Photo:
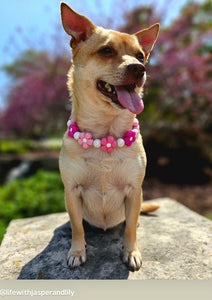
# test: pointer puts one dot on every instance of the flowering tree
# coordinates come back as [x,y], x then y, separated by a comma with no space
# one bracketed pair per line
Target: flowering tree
[178,94]
[37,102]
[185,64]
[181,98]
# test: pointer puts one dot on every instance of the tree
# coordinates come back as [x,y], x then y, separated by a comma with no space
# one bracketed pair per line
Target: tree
[182,80]
[177,121]
[38,98]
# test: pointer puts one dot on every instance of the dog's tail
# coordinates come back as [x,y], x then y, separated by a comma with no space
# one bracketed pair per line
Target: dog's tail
[148,207]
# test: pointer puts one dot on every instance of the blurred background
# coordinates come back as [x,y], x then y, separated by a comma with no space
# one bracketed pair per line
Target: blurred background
[176,123]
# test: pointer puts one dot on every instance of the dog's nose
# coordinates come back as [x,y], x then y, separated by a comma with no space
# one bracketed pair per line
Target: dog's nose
[137,70]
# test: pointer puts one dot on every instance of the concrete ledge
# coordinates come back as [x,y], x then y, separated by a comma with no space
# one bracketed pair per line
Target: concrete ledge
[175,243]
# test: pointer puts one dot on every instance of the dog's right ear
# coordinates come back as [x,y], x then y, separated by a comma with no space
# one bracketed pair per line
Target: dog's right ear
[78,26]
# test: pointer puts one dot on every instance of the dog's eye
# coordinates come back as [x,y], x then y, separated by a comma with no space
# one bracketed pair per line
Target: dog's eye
[140,56]
[106,51]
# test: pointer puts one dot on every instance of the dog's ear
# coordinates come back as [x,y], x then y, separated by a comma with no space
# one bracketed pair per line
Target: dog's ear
[148,37]
[78,26]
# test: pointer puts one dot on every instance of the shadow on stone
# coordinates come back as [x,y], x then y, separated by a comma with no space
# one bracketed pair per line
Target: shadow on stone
[104,256]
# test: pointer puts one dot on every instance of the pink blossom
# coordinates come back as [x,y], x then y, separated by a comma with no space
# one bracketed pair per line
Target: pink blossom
[85,139]
[108,144]
[129,138]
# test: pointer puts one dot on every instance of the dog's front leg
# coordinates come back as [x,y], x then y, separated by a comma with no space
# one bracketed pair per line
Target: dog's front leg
[74,206]
[132,256]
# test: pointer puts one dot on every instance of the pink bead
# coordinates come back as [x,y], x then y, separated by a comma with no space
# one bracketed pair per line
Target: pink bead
[104,141]
[72,129]
[110,139]
[135,123]
[114,144]
[82,135]
[85,139]
[85,146]
[90,142]
[130,137]
[88,135]
[108,144]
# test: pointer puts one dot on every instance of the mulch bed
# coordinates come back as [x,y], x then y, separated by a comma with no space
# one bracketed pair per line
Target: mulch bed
[195,197]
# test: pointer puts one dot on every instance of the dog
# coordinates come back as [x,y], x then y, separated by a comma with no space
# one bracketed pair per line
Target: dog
[102,160]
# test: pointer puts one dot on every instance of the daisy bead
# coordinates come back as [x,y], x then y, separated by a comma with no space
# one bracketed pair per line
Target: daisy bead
[97,143]
[120,142]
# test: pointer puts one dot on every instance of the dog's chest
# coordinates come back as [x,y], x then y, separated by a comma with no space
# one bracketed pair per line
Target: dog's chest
[105,186]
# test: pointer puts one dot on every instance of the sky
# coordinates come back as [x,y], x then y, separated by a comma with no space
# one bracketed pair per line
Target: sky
[31,22]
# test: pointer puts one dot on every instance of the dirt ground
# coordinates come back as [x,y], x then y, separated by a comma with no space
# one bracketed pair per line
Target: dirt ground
[195,197]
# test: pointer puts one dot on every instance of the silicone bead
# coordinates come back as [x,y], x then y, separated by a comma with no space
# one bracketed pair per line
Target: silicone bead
[97,143]
[76,135]
[69,123]
[120,142]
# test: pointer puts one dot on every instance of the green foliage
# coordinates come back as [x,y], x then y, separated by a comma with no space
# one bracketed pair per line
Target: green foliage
[15,146]
[26,145]
[38,195]
[20,67]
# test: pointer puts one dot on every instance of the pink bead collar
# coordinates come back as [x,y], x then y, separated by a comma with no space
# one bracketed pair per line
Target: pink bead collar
[108,144]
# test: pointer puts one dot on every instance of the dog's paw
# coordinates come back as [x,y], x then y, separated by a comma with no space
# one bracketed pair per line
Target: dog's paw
[76,258]
[133,259]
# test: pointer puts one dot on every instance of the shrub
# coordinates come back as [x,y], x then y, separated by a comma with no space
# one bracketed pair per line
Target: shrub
[38,195]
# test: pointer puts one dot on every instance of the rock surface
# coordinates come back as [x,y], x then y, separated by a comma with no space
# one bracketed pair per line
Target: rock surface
[175,243]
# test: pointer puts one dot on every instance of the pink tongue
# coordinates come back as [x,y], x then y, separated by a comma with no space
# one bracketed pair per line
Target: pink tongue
[130,100]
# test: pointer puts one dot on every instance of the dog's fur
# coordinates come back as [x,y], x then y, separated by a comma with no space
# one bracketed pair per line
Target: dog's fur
[103,188]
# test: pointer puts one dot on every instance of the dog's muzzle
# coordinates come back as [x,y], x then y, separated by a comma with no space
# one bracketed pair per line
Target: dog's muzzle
[124,95]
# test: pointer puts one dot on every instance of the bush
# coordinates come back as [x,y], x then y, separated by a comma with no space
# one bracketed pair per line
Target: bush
[38,195]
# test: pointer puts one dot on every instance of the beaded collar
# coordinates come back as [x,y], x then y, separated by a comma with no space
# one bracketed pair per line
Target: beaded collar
[108,144]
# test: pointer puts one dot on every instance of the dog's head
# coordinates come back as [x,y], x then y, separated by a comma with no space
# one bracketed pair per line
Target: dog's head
[109,66]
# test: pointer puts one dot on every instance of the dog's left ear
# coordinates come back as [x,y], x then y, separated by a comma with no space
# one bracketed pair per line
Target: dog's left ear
[147,38]
[76,25]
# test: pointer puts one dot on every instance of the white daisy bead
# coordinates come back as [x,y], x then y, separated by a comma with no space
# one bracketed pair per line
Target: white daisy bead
[76,135]
[97,143]
[120,142]
[69,123]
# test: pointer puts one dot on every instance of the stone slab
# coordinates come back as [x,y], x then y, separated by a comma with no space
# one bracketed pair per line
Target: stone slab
[175,243]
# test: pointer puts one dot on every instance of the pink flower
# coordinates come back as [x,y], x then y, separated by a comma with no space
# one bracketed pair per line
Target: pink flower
[129,138]
[72,129]
[108,144]
[85,139]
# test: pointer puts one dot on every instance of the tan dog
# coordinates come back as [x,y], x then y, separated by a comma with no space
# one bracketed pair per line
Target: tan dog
[105,79]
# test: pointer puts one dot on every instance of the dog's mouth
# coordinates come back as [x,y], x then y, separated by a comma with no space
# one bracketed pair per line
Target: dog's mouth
[123,96]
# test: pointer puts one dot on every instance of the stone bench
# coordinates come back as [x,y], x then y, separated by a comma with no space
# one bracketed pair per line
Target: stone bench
[175,243]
